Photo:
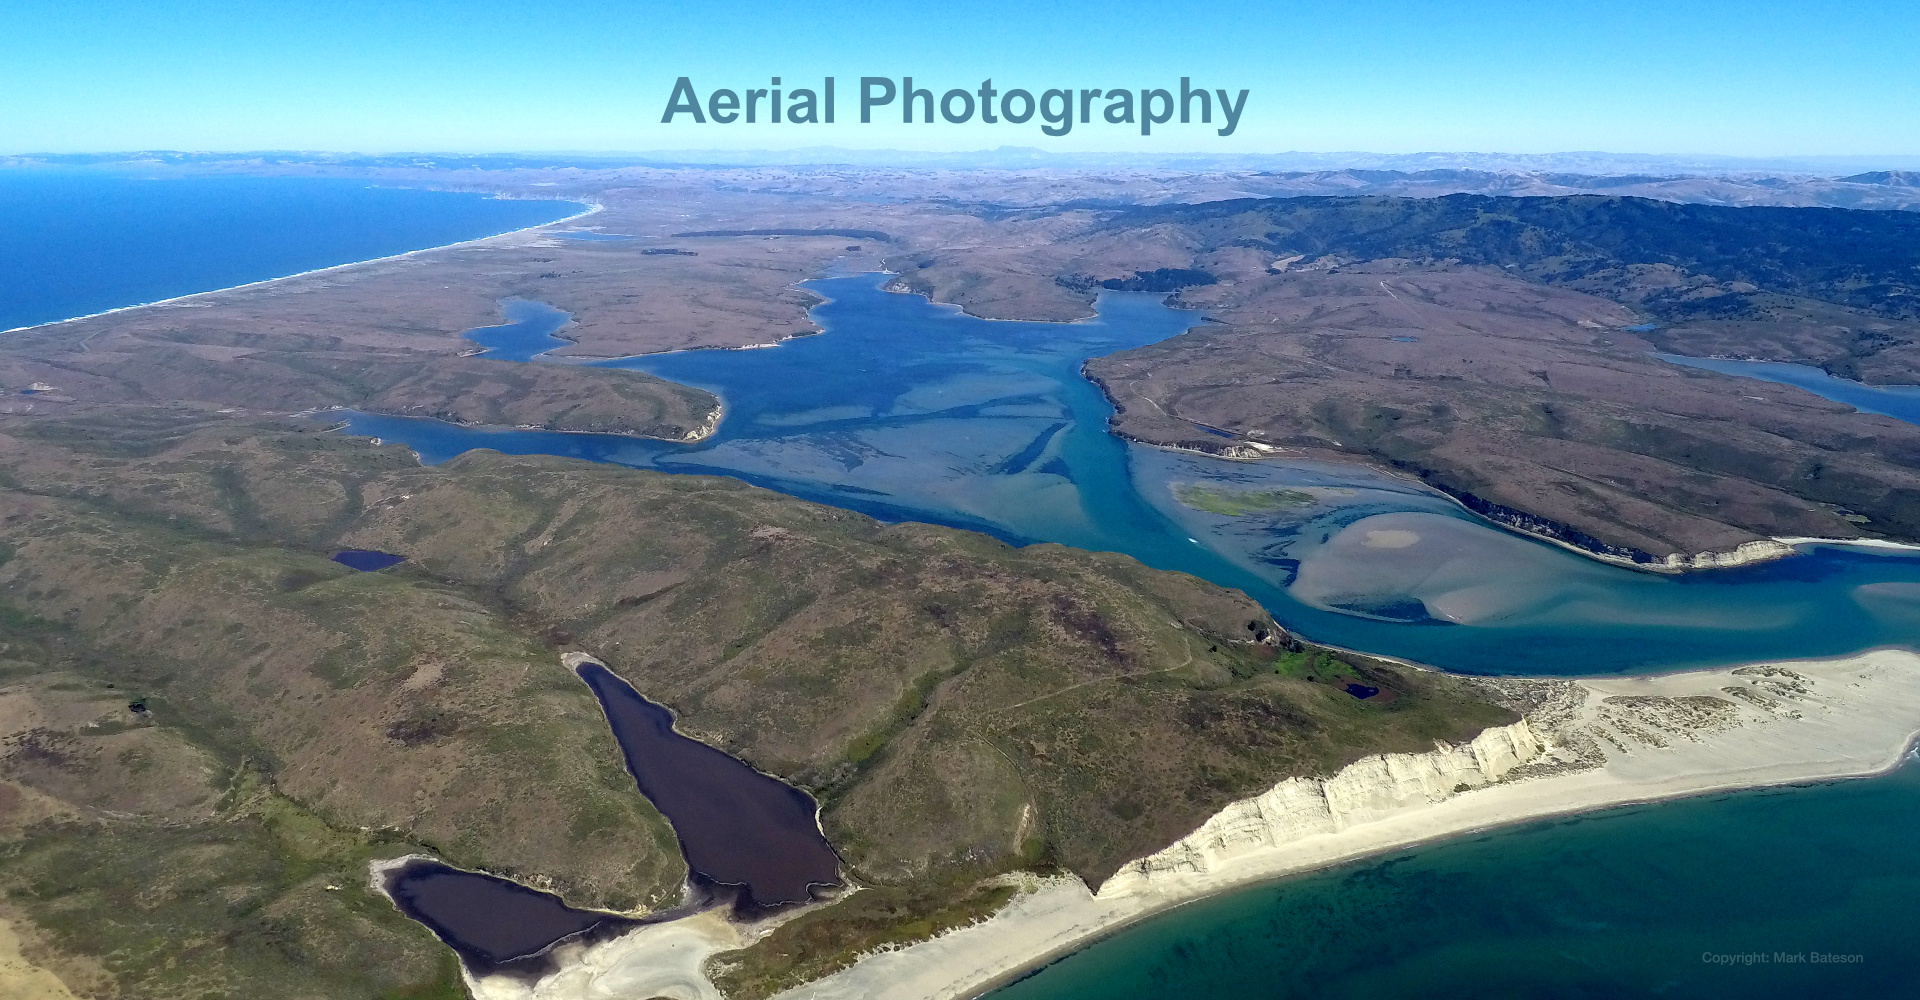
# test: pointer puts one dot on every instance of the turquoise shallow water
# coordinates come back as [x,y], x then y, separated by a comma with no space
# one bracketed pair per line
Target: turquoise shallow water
[1735,895]
[910,411]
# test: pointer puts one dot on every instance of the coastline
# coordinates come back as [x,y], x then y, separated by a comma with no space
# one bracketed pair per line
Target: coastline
[1748,553]
[591,208]
[1061,916]
[706,429]
[1606,742]
[1582,745]
[1859,543]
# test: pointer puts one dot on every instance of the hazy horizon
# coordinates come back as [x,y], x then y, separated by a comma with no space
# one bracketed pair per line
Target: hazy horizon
[1593,162]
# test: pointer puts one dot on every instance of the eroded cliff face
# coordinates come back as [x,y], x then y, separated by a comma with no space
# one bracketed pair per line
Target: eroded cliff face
[708,425]
[1746,553]
[1367,790]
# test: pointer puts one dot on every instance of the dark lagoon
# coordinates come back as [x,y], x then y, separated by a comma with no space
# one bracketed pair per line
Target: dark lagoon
[742,832]
[367,560]
[493,924]
[906,410]
[750,841]
[80,241]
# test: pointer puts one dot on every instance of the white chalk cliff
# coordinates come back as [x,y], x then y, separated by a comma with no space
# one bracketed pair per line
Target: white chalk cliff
[1365,791]
[1588,743]
[1745,554]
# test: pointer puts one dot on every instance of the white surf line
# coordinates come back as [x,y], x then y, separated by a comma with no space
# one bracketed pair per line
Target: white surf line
[591,209]
[1856,543]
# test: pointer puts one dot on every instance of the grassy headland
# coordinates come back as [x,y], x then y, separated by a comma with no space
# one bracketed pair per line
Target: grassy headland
[961,708]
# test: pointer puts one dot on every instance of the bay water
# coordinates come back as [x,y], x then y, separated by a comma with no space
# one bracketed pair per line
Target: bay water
[910,411]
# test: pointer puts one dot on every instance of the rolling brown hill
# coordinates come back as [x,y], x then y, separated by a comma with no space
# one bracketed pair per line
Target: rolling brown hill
[959,707]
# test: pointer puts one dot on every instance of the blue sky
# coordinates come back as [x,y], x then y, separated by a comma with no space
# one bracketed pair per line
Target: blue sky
[1748,79]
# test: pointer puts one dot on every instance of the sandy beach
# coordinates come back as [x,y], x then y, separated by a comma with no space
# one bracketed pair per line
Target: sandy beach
[1597,743]
[658,960]
[196,298]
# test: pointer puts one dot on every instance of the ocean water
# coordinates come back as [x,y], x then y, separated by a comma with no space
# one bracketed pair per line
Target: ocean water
[906,410]
[1739,895]
[75,242]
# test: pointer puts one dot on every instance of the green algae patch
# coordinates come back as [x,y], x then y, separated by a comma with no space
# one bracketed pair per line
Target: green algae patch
[1231,502]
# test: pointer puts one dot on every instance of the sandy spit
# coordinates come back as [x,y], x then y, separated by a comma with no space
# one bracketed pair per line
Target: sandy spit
[589,208]
[665,960]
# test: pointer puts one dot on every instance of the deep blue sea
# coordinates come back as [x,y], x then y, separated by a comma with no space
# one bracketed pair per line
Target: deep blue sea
[76,242]
[906,410]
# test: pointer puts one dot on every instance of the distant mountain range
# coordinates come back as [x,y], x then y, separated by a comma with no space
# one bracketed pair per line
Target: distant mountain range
[1895,178]
[1883,189]
[1862,168]
[1864,182]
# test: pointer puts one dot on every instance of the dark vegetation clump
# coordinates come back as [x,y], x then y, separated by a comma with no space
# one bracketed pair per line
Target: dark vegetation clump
[1165,279]
[1534,524]
[1086,625]
[818,943]
[852,234]
[423,728]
